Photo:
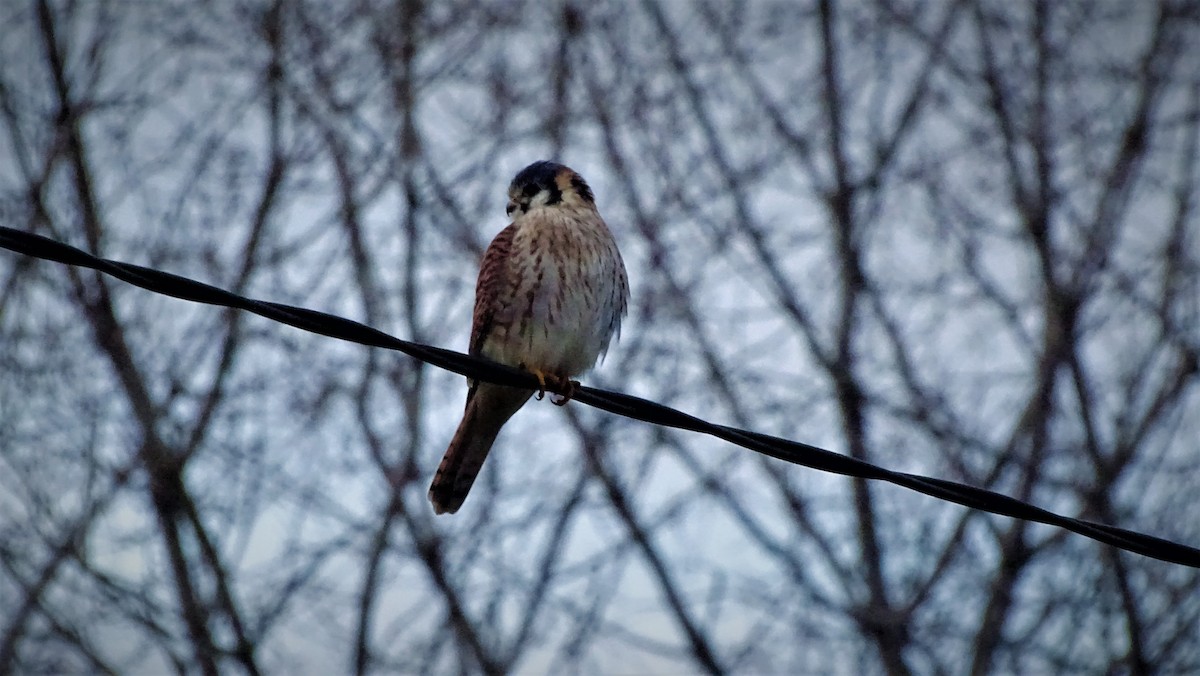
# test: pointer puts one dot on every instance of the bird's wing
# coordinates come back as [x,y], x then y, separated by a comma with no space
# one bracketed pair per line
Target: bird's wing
[493,280]
[493,277]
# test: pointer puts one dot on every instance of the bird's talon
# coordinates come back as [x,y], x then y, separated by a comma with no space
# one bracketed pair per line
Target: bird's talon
[541,378]
[570,387]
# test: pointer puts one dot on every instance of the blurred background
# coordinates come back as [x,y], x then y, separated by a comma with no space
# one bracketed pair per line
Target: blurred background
[955,238]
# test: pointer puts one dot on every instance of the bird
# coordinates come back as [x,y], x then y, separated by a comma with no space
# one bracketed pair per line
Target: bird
[551,294]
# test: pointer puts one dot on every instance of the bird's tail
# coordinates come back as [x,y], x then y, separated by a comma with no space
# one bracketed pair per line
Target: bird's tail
[488,408]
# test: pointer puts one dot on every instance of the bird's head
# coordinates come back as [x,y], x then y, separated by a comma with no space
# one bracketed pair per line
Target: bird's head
[544,184]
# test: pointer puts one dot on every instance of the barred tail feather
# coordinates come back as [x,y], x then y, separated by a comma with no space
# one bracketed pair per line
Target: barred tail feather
[489,407]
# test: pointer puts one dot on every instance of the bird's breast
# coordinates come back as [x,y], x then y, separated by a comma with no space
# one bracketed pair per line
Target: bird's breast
[565,294]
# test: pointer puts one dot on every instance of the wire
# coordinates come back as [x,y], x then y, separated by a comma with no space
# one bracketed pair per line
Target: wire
[614,402]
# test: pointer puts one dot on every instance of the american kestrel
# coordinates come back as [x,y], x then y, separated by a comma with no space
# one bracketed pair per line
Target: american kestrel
[551,294]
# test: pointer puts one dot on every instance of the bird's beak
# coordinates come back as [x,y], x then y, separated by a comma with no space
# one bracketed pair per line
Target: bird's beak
[512,206]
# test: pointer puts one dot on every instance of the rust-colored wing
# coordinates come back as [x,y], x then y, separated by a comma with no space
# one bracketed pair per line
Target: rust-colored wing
[488,406]
[493,281]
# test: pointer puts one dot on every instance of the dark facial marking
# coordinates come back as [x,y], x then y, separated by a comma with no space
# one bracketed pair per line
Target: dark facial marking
[584,190]
[535,178]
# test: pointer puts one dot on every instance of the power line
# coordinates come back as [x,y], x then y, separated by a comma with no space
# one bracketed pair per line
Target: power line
[615,402]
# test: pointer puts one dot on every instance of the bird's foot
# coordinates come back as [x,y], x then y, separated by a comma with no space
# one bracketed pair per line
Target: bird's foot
[541,376]
[569,388]
[556,382]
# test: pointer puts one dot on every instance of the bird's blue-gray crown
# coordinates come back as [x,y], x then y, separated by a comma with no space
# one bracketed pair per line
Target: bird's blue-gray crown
[551,177]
